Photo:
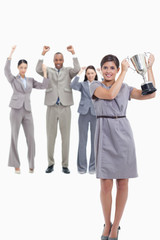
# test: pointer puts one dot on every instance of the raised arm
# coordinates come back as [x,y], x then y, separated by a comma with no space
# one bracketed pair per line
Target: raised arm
[137,93]
[45,82]
[76,66]
[111,93]
[75,84]
[7,68]
[39,69]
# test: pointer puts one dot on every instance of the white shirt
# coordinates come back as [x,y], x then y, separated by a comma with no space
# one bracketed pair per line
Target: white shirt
[24,80]
[89,83]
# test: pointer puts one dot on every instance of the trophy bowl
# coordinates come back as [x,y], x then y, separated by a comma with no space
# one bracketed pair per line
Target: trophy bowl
[140,64]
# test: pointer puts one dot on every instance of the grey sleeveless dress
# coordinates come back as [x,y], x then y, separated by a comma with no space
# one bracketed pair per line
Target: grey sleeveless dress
[114,144]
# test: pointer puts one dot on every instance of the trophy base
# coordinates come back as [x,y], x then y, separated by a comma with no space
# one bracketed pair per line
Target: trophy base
[148,88]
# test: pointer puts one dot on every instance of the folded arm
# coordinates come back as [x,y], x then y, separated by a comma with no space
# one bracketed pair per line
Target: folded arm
[76,68]
[75,84]
[111,93]
[39,85]
[45,82]
[39,67]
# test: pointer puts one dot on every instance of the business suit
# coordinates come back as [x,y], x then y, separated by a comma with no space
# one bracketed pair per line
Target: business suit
[59,86]
[21,114]
[86,116]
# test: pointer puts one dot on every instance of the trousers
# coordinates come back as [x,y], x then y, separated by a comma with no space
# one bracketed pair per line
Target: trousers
[83,122]
[62,115]
[18,117]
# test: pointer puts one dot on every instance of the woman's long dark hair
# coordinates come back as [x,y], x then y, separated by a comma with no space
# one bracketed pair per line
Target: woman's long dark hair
[93,68]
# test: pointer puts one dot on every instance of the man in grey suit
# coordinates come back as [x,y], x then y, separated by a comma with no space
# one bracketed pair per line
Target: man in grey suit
[58,99]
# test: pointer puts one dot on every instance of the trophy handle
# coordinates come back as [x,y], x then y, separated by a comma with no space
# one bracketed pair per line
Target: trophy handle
[147,54]
[128,59]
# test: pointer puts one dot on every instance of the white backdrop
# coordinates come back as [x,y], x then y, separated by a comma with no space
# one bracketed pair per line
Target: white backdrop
[59,206]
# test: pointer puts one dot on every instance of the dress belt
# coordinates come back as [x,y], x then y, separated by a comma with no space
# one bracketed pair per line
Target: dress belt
[113,117]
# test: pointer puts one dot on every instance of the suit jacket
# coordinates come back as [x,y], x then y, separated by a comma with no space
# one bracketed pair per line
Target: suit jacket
[86,101]
[21,95]
[59,83]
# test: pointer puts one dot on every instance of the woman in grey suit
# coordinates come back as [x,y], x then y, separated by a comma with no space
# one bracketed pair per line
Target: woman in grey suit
[114,143]
[21,110]
[86,116]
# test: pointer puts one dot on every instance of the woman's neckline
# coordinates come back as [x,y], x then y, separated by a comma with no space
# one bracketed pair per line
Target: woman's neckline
[107,86]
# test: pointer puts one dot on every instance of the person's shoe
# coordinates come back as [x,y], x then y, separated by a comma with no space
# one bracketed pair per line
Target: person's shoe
[106,237]
[31,170]
[92,172]
[117,235]
[17,170]
[50,169]
[65,170]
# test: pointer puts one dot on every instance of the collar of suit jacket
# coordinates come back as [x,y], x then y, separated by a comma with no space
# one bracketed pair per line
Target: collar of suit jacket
[58,69]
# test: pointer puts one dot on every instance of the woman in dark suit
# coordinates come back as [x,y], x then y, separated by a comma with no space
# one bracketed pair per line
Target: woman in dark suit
[86,117]
[21,110]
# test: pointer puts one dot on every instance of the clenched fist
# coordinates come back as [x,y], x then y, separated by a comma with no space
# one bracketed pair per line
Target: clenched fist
[71,49]
[13,48]
[125,65]
[12,51]
[45,49]
[82,69]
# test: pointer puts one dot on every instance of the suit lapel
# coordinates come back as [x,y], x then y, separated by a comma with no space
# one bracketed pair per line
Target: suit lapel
[27,84]
[61,71]
[56,72]
[86,88]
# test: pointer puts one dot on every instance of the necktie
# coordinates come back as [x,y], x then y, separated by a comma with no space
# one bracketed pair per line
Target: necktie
[58,100]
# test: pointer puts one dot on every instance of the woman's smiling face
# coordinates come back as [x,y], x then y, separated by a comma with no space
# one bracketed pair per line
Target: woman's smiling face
[109,71]
[90,74]
[22,69]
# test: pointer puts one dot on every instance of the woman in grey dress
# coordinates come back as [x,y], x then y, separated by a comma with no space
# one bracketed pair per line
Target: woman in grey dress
[114,144]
